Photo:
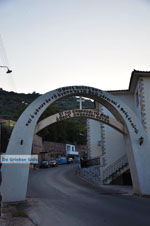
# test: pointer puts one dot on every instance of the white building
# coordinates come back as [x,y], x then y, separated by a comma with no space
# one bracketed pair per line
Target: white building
[108,143]
[70,150]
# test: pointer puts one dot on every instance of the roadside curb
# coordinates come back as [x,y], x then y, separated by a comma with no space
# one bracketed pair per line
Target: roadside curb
[105,189]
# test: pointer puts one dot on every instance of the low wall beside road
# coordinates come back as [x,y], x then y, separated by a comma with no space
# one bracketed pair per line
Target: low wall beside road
[90,174]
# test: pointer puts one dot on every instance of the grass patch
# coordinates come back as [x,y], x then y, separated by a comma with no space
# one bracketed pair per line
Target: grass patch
[19,213]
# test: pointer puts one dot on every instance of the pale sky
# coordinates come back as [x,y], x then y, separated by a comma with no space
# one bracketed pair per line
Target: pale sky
[55,43]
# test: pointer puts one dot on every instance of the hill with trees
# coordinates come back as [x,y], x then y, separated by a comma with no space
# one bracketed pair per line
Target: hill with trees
[69,131]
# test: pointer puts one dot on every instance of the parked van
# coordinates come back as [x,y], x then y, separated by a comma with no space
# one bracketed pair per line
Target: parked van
[61,160]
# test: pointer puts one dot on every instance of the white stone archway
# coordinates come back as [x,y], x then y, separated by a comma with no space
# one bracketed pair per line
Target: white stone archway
[78,113]
[15,176]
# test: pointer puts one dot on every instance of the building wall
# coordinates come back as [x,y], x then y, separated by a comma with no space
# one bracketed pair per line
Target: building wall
[51,150]
[114,144]
[37,145]
[93,138]
[83,150]
[55,149]
[44,156]
[111,141]
[105,141]
[59,149]
[144,103]
[127,98]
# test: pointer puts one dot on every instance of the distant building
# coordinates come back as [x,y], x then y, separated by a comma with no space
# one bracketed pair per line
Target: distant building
[7,122]
[71,150]
[51,150]
[54,149]
[37,146]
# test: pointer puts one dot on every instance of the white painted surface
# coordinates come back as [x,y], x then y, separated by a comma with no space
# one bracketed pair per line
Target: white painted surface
[94,139]
[114,144]
[128,99]
[71,150]
[146,104]
[112,140]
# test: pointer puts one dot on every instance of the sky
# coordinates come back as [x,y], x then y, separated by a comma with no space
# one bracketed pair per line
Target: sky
[55,43]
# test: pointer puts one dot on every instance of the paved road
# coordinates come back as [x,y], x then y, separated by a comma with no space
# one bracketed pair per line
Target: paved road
[65,200]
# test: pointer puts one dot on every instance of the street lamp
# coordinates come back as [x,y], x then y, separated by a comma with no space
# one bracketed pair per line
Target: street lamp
[8,70]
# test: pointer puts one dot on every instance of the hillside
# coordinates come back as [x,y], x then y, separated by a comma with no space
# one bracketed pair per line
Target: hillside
[72,130]
[13,104]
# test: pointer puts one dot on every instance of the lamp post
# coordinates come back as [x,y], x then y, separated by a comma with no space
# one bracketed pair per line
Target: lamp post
[8,70]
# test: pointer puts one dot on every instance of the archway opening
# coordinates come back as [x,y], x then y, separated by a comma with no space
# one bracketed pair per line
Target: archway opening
[22,135]
[93,114]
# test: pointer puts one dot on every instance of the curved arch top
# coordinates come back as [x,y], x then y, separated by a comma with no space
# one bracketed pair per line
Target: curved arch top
[76,113]
[121,111]
[22,136]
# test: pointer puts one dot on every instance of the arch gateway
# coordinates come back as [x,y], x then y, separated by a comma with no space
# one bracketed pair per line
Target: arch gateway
[77,113]
[15,176]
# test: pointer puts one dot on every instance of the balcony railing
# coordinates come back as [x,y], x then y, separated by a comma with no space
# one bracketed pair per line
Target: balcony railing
[115,167]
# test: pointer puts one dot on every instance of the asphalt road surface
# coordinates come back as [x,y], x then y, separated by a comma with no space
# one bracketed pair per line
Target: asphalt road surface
[63,199]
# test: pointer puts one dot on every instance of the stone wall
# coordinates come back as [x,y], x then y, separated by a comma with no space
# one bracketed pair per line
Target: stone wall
[51,150]
[37,145]
[91,174]
[82,150]
[55,149]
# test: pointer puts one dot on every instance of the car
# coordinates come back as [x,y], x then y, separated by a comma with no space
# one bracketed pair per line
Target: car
[61,160]
[77,160]
[44,164]
[53,163]
[70,160]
